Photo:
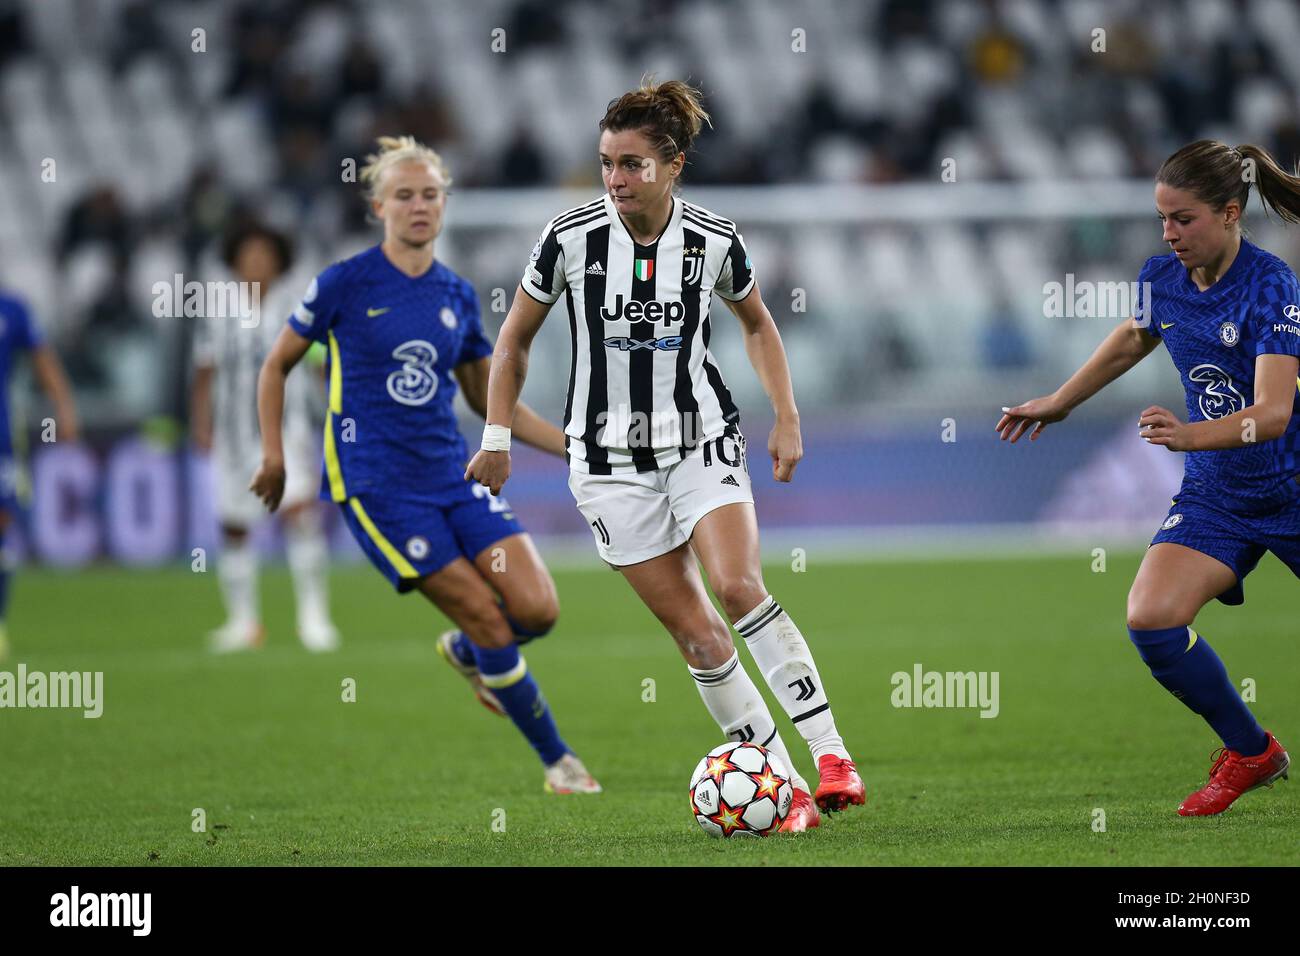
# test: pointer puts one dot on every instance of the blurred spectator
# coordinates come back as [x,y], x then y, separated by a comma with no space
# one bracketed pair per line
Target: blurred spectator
[903,19]
[1285,144]
[13,33]
[361,72]
[206,208]
[97,217]
[259,30]
[534,24]
[1003,342]
[997,56]
[888,355]
[138,33]
[523,164]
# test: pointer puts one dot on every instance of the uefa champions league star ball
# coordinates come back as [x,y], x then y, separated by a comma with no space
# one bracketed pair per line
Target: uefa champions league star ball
[740,790]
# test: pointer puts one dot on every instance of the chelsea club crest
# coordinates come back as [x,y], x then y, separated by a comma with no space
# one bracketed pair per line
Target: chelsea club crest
[1229,334]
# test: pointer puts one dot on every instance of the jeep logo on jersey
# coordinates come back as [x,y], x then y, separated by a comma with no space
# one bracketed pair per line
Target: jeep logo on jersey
[624,344]
[654,311]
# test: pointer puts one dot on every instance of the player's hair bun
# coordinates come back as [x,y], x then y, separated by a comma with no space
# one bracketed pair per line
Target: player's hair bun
[394,150]
[669,113]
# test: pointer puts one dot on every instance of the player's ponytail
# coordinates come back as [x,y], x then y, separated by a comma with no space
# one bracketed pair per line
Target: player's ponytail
[394,150]
[669,114]
[1216,173]
[1278,189]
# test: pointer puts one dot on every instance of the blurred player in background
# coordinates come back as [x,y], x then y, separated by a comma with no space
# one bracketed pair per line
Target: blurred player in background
[1229,315]
[18,333]
[640,266]
[399,324]
[228,355]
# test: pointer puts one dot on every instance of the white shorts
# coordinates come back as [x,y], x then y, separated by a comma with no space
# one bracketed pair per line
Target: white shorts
[233,469]
[636,516]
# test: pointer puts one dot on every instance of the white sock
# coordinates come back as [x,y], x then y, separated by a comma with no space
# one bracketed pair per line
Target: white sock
[308,555]
[237,572]
[786,663]
[740,710]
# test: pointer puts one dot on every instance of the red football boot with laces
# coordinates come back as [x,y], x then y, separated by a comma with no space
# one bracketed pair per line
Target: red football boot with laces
[840,784]
[1234,774]
[803,814]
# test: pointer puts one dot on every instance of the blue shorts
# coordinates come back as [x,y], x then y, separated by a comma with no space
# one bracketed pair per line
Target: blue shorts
[408,539]
[1238,540]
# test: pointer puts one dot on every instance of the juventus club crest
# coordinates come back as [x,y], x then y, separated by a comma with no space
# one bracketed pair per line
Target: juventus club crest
[692,265]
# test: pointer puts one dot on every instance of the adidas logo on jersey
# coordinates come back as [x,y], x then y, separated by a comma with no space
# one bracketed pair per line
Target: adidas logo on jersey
[731,480]
[595,269]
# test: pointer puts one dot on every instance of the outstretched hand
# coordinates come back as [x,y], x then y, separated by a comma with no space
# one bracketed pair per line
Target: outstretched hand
[1039,412]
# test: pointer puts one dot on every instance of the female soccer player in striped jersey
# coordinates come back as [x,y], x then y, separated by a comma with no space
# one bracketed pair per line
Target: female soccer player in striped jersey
[657,460]
[398,325]
[227,358]
[1229,314]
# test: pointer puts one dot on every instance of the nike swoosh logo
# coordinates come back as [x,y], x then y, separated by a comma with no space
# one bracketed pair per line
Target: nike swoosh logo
[371,313]
[1166,325]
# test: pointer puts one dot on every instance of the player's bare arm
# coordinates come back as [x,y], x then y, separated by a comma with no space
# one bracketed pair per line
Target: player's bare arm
[289,348]
[1128,344]
[201,407]
[767,355]
[505,382]
[1266,419]
[529,427]
[54,383]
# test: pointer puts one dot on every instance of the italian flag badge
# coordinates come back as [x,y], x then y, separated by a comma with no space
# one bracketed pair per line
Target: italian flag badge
[645,268]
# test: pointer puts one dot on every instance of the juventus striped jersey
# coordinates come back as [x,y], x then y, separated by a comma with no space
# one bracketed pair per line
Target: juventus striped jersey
[236,352]
[643,386]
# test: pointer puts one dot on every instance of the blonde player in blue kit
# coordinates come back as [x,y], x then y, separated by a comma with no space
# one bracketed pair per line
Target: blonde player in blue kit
[399,325]
[1228,313]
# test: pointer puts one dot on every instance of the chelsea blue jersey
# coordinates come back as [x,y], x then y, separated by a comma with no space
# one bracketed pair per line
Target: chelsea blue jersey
[17,334]
[1214,338]
[393,342]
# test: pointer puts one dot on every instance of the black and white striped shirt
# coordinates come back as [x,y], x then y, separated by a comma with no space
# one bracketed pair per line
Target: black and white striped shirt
[236,351]
[643,386]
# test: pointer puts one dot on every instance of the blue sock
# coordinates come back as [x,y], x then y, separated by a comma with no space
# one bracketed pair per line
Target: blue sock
[1186,665]
[505,673]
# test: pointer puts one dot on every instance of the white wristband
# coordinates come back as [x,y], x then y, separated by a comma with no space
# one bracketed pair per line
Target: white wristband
[496,438]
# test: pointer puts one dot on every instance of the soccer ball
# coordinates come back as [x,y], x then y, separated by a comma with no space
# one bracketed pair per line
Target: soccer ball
[740,790]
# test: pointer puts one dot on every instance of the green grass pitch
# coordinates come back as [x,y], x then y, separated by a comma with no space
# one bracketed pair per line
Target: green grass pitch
[415,772]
